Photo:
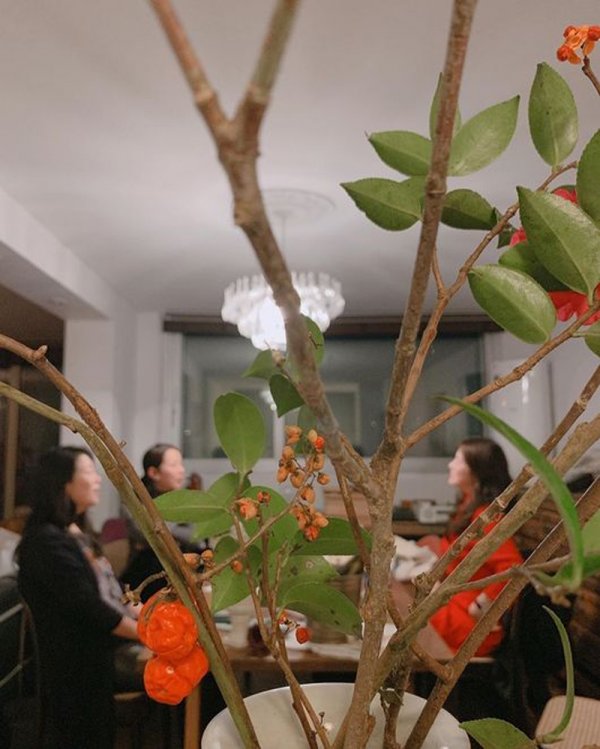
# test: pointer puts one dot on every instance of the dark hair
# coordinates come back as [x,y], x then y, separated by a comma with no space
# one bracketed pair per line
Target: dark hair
[153,457]
[487,462]
[50,503]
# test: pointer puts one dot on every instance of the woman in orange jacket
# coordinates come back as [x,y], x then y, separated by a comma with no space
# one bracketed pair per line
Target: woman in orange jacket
[479,471]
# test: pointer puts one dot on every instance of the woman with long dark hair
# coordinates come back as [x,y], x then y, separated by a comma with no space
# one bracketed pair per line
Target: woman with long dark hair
[75,626]
[163,472]
[479,472]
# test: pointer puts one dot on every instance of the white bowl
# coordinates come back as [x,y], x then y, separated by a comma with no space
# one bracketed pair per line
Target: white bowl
[277,726]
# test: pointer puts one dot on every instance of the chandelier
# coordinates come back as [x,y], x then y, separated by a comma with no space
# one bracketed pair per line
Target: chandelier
[249,304]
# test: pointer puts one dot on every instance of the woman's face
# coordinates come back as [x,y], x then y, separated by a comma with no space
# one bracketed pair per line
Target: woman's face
[170,474]
[459,473]
[84,487]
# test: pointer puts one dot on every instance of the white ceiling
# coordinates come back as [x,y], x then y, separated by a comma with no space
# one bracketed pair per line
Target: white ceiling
[100,142]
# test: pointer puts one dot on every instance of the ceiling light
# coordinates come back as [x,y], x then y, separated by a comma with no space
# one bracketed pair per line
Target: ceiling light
[249,304]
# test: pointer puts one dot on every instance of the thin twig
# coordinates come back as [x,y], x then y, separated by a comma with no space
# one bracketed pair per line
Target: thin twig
[587,71]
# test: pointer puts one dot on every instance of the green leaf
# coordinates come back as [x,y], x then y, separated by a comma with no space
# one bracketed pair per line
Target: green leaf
[555,734]
[592,338]
[334,538]
[229,587]
[325,604]
[208,509]
[591,534]
[317,342]
[317,339]
[263,366]
[547,475]
[284,394]
[591,547]
[493,733]
[515,301]
[466,209]
[241,430]
[565,240]
[304,569]
[391,205]
[483,138]
[409,153]
[435,106]
[552,115]
[522,257]
[588,178]
[281,531]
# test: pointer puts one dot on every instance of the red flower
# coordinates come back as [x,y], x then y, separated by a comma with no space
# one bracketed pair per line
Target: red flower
[569,303]
[518,237]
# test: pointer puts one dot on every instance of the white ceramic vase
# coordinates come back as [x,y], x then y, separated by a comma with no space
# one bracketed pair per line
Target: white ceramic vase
[277,726]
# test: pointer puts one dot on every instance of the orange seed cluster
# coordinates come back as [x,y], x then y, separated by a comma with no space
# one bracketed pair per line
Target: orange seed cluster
[577,38]
[302,477]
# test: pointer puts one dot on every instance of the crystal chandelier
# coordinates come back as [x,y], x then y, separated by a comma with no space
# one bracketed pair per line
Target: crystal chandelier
[249,304]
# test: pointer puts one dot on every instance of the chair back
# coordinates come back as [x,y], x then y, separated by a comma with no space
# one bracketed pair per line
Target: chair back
[20,700]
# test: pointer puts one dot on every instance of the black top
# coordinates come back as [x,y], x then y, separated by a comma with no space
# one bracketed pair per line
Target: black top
[73,626]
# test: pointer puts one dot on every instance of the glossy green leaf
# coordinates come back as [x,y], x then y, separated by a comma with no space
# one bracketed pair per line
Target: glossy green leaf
[493,733]
[229,587]
[588,178]
[565,240]
[391,205]
[208,509]
[303,569]
[513,300]
[556,733]
[284,529]
[325,604]
[284,394]
[435,107]
[553,120]
[409,153]
[466,209]
[592,338]
[263,366]
[334,538]
[241,430]
[483,138]
[547,475]
[522,257]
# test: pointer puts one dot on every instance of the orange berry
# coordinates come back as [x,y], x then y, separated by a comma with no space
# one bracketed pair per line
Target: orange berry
[287,453]
[282,474]
[237,566]
[318,462]
[192,560]
[171,681]
[308,494]
[312,436]
[263,497]
[247,508]
[320,443]
[302,635]
[323,479]
[297,479]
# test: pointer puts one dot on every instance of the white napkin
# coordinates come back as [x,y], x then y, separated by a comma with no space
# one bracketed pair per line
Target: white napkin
[410,559]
